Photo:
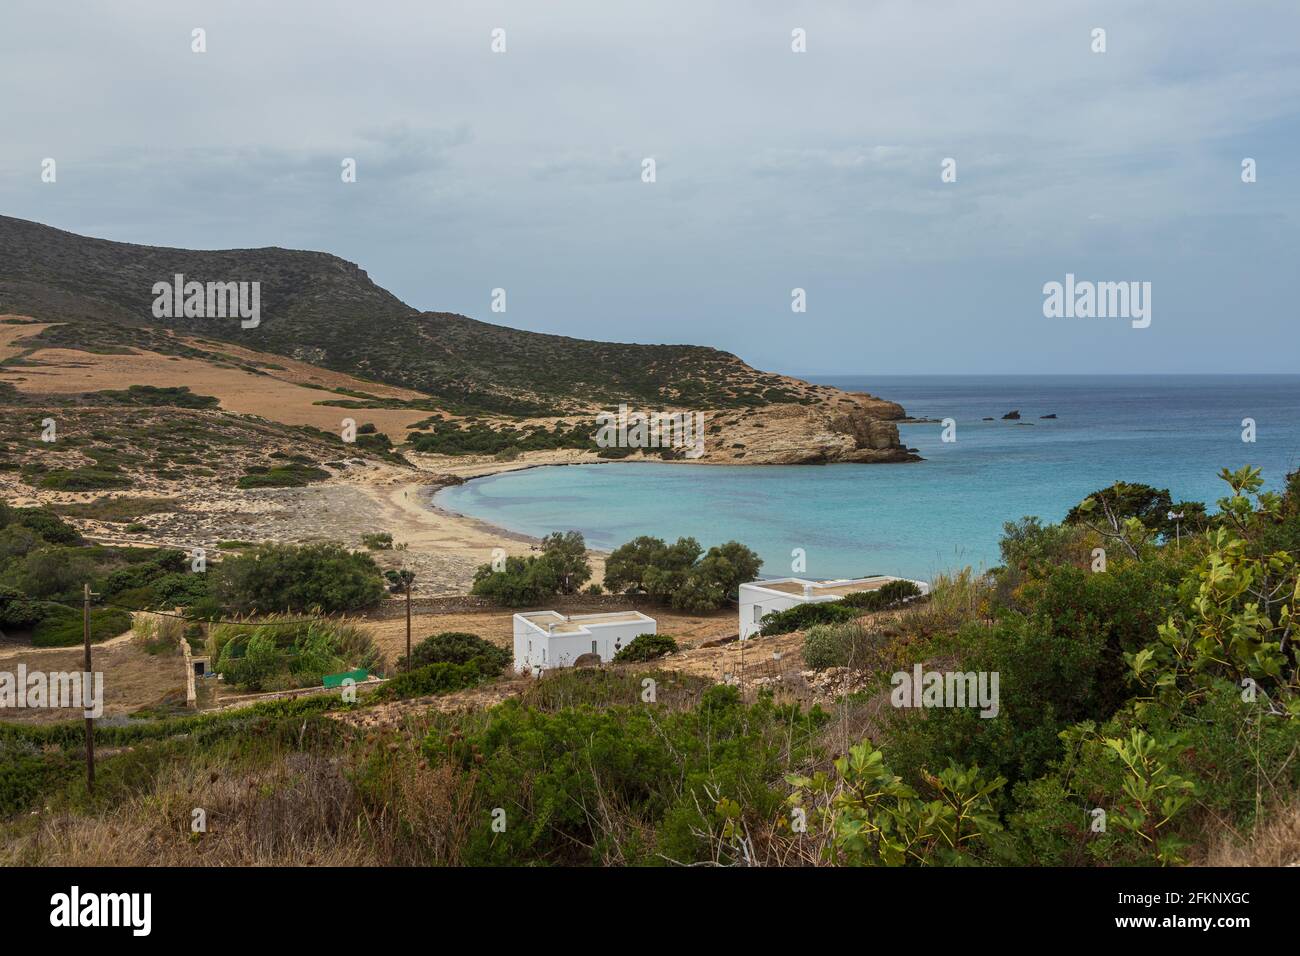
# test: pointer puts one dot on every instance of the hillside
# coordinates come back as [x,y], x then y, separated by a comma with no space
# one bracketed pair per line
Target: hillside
[321,309]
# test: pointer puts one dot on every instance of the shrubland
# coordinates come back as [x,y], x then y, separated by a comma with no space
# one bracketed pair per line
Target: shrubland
[1149,710]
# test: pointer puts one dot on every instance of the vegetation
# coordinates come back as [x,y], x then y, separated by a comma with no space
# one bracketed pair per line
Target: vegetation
[479,438]
[803,616]
[441,678]
[849,644]
[646,647]
[456,647]
[281,652]
[323,578]
[561,568]
[378,541]
[676,575]
[327,309]
[1152,507]
[1149,712]
[177,397]
[291,475]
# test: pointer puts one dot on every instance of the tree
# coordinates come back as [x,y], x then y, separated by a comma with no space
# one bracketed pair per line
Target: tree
[649,565]
[288,577]
[676,575]
[1124,501]
[566,552]
[562,568]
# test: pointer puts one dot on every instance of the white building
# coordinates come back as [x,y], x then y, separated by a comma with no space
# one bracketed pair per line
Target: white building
[545,639]
[763,597]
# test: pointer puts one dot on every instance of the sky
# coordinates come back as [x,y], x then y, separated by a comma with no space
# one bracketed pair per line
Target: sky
[775,170]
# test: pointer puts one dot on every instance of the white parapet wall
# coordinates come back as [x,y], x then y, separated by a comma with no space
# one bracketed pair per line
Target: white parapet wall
[759,598]
[547,639]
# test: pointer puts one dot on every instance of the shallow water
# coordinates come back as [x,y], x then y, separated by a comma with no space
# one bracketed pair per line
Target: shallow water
[916,519]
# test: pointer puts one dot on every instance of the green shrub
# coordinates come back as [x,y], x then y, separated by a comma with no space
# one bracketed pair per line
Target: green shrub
[46,524]
[62,626]
[293,475]
[85,478]
[646,647]
[849,644]
[662,775]
[258,654]
[17,610]
[378,541]
[803,616]
[287,577]
[55,572]
[455,647]
[178,396]
[442,678]
[886,596]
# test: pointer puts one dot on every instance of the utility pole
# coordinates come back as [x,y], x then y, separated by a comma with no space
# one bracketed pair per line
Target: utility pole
[90,721]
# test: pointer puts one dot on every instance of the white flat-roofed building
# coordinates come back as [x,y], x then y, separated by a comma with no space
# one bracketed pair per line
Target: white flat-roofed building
[758,598]
[546,639]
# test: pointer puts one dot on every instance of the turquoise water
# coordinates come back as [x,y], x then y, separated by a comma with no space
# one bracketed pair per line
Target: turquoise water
[946,512]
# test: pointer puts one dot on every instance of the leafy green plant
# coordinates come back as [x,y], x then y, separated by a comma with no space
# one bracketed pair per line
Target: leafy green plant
[646,647]
[287,577]
[870,817]
[803,616]
[455,647]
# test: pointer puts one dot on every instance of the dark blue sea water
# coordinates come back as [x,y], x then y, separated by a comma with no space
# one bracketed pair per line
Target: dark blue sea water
[946,512]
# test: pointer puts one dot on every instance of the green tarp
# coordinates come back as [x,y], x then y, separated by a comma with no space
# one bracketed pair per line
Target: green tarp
[336,680]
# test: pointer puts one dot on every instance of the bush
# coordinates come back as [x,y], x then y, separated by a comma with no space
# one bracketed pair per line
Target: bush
[442,678]
[158,633]
[646,647]
[378,541]
[17,610]
[455,647]
[289,653]
[803,616]
[46,524]
[886,596]
[61,626]
[660,774]
[293,475]
[843,645]
[287,577]
[55,573]
[86,478]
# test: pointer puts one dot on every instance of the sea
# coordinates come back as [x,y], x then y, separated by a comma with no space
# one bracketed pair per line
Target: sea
[934,516]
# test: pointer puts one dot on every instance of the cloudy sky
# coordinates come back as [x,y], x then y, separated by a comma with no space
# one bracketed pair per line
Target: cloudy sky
[775,170]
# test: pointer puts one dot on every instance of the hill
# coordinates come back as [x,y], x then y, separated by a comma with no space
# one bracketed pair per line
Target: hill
[321,309]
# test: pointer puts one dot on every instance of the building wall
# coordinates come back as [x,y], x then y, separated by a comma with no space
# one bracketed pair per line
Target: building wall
[766,602]
[769,601]
[563,649]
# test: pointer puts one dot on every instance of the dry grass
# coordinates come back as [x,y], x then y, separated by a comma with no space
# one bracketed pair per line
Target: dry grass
[301,809]
[1275,841]
[281,394]
[133,678]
